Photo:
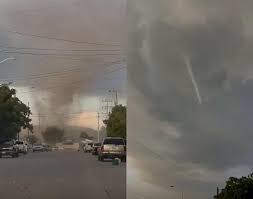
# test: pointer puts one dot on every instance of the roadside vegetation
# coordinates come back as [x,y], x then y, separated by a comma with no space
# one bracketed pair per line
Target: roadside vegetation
[14,114]
[237,188]
[116,123]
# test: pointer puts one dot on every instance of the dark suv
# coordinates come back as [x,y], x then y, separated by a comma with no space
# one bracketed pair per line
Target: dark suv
[8,148]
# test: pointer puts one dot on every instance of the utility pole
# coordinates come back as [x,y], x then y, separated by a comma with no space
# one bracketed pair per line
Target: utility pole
[116,96]
[39,123]
[116,102]
[107,107]
[98,127]
[28,132]
[80,107]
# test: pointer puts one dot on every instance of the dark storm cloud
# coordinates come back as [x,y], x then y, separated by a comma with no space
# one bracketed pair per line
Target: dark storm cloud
[90,20]
[213,134]
[217,49]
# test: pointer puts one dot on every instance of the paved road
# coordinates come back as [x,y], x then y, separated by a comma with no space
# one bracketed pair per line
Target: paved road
[61,175]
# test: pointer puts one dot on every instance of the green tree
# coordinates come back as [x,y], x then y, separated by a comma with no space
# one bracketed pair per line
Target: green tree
[237,188]
[14,115]
[116,124]
[53,134]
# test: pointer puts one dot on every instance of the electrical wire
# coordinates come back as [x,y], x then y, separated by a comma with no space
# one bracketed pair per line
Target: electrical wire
[45,75]
[63,114]
[51,116]
[57,49]
[60,39]
[57,54]
[65,85]
[51,74]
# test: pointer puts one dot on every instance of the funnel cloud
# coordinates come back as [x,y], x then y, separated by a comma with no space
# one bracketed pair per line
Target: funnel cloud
[213,136]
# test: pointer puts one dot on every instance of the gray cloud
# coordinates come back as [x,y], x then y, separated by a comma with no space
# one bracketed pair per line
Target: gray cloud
[216,36]
[91,21]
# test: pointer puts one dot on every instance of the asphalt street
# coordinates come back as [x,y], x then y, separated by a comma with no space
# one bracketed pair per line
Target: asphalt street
[61,175]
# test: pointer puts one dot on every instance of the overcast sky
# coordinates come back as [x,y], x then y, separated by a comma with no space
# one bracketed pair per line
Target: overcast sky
[189,115]
[78,81]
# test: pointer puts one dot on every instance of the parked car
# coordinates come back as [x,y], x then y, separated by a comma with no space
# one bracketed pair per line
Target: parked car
[55,148]
[70,145]
[87,147]
[8,148]
[112,147]
[60,148]
[38,148]
[95,148]
[47,147]
[22,146]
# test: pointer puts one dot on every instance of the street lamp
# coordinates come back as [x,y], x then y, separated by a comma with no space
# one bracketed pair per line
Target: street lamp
[9,58]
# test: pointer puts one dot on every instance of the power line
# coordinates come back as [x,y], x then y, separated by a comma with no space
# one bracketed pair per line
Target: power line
[52,116]
[51,74]
[73,83]
[61,39]
[57,54]
[63,114]
[70,58]
[58,49]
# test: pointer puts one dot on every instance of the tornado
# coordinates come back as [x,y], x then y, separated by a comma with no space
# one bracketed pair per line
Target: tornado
[194,82]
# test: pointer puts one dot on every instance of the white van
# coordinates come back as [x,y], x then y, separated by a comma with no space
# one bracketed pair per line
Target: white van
[22,146]
[87,146]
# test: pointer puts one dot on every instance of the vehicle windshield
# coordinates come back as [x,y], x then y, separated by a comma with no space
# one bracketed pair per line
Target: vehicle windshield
[90,144]
[37,145]
[115,141]
[97,144]
[19,142]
